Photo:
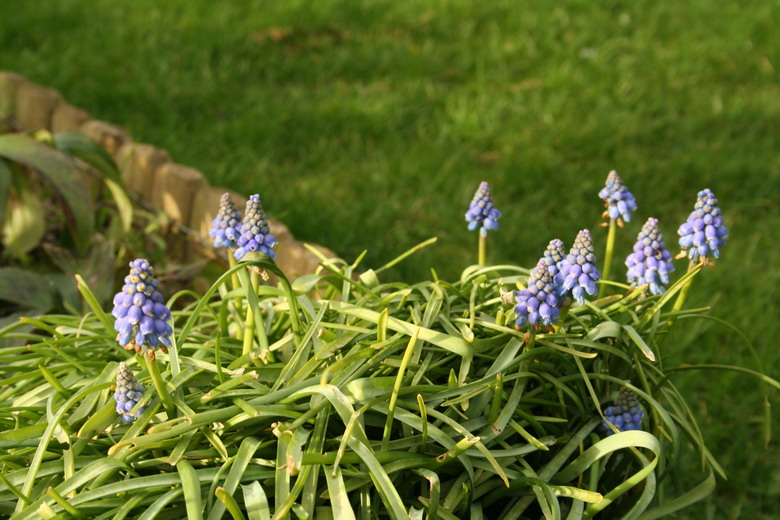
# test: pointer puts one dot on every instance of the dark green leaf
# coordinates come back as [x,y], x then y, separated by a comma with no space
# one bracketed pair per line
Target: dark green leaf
[82,147]
[62,175]
[26,289]
[5,187]
[24,223]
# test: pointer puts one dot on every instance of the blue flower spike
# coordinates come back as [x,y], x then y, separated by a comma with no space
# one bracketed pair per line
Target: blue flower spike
[538,304]
[625,414]
[619,201]
[127,394]
[650,263]
[554,255]
[703,233]
[226,226]
[481,213]
[141,316]
[579,269]
[256,235]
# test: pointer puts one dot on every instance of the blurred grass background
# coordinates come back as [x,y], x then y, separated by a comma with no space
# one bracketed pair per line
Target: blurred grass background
[371,124]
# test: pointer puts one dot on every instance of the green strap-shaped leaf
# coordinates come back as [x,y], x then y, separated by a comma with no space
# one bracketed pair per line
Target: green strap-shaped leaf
[339,500]
[618,441]
[48,434]
[605,329]
[639,342]
[256,502]
[669,294]
[158,505]
[230,503]
[101,420]
[702,490]
[360,445]
[62,175]
[455,344]
[435,490]
[191,486]
[86,474]
[245,452]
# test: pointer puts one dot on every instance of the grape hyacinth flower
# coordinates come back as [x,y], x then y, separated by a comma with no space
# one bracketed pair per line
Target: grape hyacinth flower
[554,255]
[128,392]
[538,303]
[256,235]
[703,233]
[650,263]
[226,226]
[579,269]
[141,316]
[481,212]
[626,414]
[619,201]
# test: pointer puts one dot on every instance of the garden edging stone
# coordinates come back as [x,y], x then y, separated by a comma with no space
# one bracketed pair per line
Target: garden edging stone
[181,192]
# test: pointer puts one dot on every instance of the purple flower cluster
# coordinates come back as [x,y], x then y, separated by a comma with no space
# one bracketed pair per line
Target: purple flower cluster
[704,232]
[626,414]
[619,201]
[554,255]
[481,211]
[226,227]
[650,263]
[255,235]
[578,269]
[539,303]
[141,316]
[128,392]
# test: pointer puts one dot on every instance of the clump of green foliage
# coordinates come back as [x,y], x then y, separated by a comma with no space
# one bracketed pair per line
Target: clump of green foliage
[63,211]
[357,398]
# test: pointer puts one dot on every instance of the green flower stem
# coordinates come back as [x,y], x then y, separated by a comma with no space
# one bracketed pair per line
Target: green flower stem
[608,255]
[680,301]
[254,323]
[232,262]
[562,317]
[495,406]
[482,249]
[249,324]
[526,363]
[159,385]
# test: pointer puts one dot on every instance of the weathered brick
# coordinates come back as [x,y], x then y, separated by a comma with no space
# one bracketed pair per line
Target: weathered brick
[67,118]
[9,82]
[295,260]
[279,230]
[204,206]
[175,190]
[35,106]
[139,164]
[109,136]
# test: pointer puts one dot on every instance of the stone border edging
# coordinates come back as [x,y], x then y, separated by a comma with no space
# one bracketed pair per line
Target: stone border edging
[181,192]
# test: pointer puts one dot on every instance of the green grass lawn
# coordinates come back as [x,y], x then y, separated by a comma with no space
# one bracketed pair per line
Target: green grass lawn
[370,124]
